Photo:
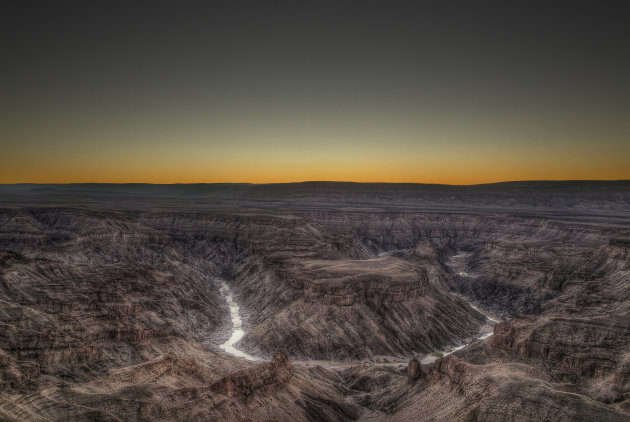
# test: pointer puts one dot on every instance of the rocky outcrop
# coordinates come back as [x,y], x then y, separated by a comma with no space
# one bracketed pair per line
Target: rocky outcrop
[366,286]
[414,368]
[248,381]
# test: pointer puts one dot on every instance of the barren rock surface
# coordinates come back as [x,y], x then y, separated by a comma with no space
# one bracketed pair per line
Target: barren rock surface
[111,309]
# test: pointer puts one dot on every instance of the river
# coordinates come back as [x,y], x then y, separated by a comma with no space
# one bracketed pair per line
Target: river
[237,325]
[458,262]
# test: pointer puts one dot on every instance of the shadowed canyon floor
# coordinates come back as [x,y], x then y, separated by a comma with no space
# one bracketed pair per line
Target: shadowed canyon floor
[317,301]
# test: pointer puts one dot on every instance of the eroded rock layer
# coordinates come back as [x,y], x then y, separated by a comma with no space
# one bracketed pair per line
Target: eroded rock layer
[111,310]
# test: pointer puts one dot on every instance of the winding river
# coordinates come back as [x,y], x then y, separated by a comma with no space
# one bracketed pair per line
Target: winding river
[458,262]
[237,325]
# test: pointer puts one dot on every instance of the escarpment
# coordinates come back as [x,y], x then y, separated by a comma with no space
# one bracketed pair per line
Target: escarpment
[345,282]
[362,288]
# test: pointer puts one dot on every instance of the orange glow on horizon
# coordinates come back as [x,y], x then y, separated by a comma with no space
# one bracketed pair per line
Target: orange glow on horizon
[450,175]
[366,158]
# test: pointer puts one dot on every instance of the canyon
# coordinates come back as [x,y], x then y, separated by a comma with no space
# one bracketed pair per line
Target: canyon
[315,301]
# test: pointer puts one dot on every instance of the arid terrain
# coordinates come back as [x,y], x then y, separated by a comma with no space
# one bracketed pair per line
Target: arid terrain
[368,302]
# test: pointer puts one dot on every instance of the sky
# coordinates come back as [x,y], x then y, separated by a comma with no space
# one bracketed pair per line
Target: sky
[262,92]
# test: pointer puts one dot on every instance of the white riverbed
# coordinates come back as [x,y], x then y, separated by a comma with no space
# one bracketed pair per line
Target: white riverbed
[237,325]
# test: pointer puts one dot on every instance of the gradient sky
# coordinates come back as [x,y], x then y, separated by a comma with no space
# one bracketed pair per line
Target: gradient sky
[444,92]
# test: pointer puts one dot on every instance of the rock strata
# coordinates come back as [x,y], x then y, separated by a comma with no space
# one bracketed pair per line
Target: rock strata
[265,375]
[109,309]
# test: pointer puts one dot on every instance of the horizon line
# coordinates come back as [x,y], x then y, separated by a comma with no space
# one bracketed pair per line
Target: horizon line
[315,181]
